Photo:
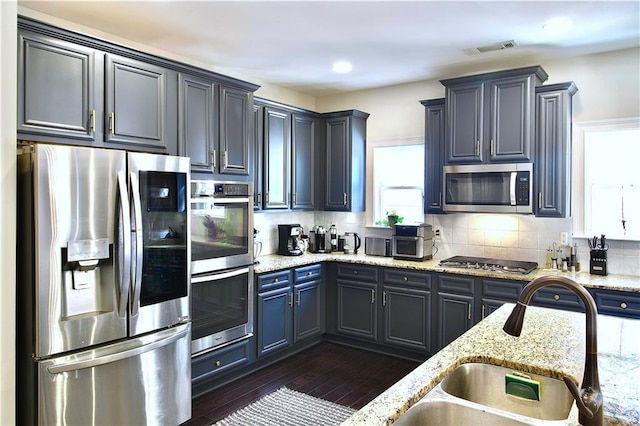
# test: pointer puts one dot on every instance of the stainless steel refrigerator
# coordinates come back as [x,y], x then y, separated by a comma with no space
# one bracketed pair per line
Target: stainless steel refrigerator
[104,331]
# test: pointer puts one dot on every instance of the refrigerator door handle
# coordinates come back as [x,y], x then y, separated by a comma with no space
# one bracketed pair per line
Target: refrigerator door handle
[136,231]
[124,243]
[161,339]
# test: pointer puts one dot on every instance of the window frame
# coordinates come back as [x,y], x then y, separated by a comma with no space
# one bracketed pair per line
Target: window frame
[579,130]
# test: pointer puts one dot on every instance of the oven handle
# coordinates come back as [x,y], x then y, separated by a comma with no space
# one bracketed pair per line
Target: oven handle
[512,188]
[219,276]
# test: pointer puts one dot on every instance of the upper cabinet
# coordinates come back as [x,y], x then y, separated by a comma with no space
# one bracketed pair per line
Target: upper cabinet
[552,167]
[344,161]
[277,158]
[236,113]
[434,141]
[490,117]
[305,130]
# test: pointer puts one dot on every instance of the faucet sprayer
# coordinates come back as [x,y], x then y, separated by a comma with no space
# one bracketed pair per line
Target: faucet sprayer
[588,398]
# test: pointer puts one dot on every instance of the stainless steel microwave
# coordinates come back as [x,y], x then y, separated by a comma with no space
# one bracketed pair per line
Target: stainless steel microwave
[489,188]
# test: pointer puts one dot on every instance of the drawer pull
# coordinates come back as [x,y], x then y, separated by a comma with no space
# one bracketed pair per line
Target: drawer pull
[623,305]
[556,297]
[218,363]
[309,273]
[355,272]
[276,280]
[405,279]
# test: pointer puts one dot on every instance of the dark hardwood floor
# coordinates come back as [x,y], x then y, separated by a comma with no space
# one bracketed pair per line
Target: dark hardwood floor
[347,376]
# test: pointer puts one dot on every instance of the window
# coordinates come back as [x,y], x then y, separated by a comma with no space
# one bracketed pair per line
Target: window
[397,170]
[607,179]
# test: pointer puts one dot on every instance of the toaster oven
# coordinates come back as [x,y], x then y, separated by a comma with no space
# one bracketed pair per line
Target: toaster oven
[412,242]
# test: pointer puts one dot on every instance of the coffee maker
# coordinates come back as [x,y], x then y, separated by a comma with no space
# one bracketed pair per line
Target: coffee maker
[318,240]
[289,237]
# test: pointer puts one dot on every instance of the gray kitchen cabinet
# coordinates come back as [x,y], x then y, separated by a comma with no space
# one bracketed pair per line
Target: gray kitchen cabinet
[303,161]
[357,293]
[308,307]
[552,173]
[257,155]
[197,136]
[277,154]
[344,161]
[59,89]
[406,301]
[140,105]
[236,118]
[497,292]
[434,141]
[455,306]
[490,117]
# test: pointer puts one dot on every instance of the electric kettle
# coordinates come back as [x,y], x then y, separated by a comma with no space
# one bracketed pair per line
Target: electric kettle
[351,246]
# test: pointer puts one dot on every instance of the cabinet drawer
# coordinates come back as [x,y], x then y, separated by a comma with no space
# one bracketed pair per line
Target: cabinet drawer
[456,284]
[215,362]
[274,280]
[557,297]
[358,272]
[618,303]
[502,289]
[307,273]
[404,277]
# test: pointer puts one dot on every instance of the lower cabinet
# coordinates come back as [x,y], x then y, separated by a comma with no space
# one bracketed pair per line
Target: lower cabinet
[357,309]
[289,308]
[617,303]
[497,292]
[455,304]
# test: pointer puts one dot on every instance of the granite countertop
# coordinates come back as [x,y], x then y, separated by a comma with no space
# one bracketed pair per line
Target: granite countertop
[274,262]
[552,344]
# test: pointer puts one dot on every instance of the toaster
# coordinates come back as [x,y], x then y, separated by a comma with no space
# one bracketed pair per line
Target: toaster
[377,246]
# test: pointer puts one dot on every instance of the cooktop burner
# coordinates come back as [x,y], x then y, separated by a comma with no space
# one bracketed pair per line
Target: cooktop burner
[486,264]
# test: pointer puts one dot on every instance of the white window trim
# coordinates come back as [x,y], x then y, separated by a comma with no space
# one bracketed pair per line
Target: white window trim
[577,162]
[371,144]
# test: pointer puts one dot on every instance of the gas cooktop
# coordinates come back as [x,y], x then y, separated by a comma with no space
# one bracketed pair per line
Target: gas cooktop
[486,264]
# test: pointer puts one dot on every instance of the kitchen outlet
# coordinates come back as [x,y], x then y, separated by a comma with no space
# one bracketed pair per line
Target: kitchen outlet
[564,238]
[437,233]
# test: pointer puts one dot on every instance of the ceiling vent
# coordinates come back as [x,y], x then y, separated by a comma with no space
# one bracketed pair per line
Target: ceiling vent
[491,47]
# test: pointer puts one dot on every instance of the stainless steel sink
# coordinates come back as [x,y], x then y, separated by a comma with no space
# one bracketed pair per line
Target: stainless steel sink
[474,394]
[485,384]
[447,412]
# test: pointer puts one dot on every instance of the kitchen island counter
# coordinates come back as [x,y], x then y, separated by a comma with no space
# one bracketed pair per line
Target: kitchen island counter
[274,262]
[552,344]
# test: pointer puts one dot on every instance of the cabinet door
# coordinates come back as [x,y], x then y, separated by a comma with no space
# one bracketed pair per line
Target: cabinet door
[196,125]
[433,154]
[57,84]
[137,99]
[357,310]
[235,127]
[496,292]
[464,117]
[274,320]
[306,310]
[510,127]
[552,172]
[338,164]
[455,317]
[407,318]
[277,151]
[303,162]
[258,155]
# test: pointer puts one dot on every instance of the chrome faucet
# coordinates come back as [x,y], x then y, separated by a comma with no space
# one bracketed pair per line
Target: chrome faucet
[588,398]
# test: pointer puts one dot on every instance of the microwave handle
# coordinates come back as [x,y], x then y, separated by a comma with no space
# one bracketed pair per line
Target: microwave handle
[512,188]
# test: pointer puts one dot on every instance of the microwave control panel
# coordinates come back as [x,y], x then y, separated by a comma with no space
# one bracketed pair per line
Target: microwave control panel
[523,185]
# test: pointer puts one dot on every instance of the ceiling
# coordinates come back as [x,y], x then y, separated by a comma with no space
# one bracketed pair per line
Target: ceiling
[294,43]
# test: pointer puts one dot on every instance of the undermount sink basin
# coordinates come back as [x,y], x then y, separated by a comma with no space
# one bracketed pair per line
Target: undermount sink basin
[475,394]
[444,412]
[485,384]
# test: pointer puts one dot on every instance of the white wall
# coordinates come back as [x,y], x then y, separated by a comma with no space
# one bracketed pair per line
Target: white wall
[7,210]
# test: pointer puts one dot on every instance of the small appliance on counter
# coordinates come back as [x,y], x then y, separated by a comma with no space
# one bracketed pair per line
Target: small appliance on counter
[377,246]
[289,239]
[352,243]
[412,242]
[318,240]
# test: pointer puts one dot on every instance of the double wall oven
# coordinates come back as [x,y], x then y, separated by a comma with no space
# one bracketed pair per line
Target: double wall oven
[221,263]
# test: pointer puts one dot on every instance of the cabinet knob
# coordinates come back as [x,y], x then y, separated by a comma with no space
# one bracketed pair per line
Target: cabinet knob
[309,273]
[405,279]
[623,305]
[218,363]
[556,297]
[355,272]
[275,280]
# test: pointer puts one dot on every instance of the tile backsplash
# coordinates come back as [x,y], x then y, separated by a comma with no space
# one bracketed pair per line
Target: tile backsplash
[517,237]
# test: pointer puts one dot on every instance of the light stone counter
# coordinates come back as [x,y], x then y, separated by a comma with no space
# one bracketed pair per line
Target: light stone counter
[275,262]
[552,344]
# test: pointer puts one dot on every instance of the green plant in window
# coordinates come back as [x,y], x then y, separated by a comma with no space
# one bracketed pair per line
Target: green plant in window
[393,218]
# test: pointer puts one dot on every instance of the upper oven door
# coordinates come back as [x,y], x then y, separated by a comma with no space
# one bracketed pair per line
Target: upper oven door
[221,233]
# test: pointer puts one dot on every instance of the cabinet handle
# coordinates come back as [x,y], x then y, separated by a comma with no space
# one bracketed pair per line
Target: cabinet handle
[266,198]
[218,363]
[405,279]
[373,296]
[225,159]
[468,310]
[275,280]
[309,273]
[556,297]
[493,147]
[384,298]
[623,305]
[291,299]
[344,198]
[539,200]
[298,298]
[259,197]
[483,311]
[92,118]
[213,159]
[477,148]
[355,272]
[112,122]
[293,196]
[440,199]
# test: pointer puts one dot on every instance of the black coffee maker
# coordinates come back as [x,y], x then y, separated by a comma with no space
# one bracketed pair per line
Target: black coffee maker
[289,237]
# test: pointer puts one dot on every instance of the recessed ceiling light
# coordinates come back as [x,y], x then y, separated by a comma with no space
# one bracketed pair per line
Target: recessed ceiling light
[342,67]
[558,26]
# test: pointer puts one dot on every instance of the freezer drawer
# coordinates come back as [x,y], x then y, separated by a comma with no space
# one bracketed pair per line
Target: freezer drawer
[142,381]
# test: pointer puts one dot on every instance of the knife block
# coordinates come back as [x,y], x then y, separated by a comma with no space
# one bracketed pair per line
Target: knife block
[598,262]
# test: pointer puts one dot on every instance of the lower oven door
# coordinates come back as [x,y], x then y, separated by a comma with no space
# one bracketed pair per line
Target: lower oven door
[221,308]
[407,247]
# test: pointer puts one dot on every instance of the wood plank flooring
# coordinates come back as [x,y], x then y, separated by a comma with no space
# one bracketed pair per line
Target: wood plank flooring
[347,376]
